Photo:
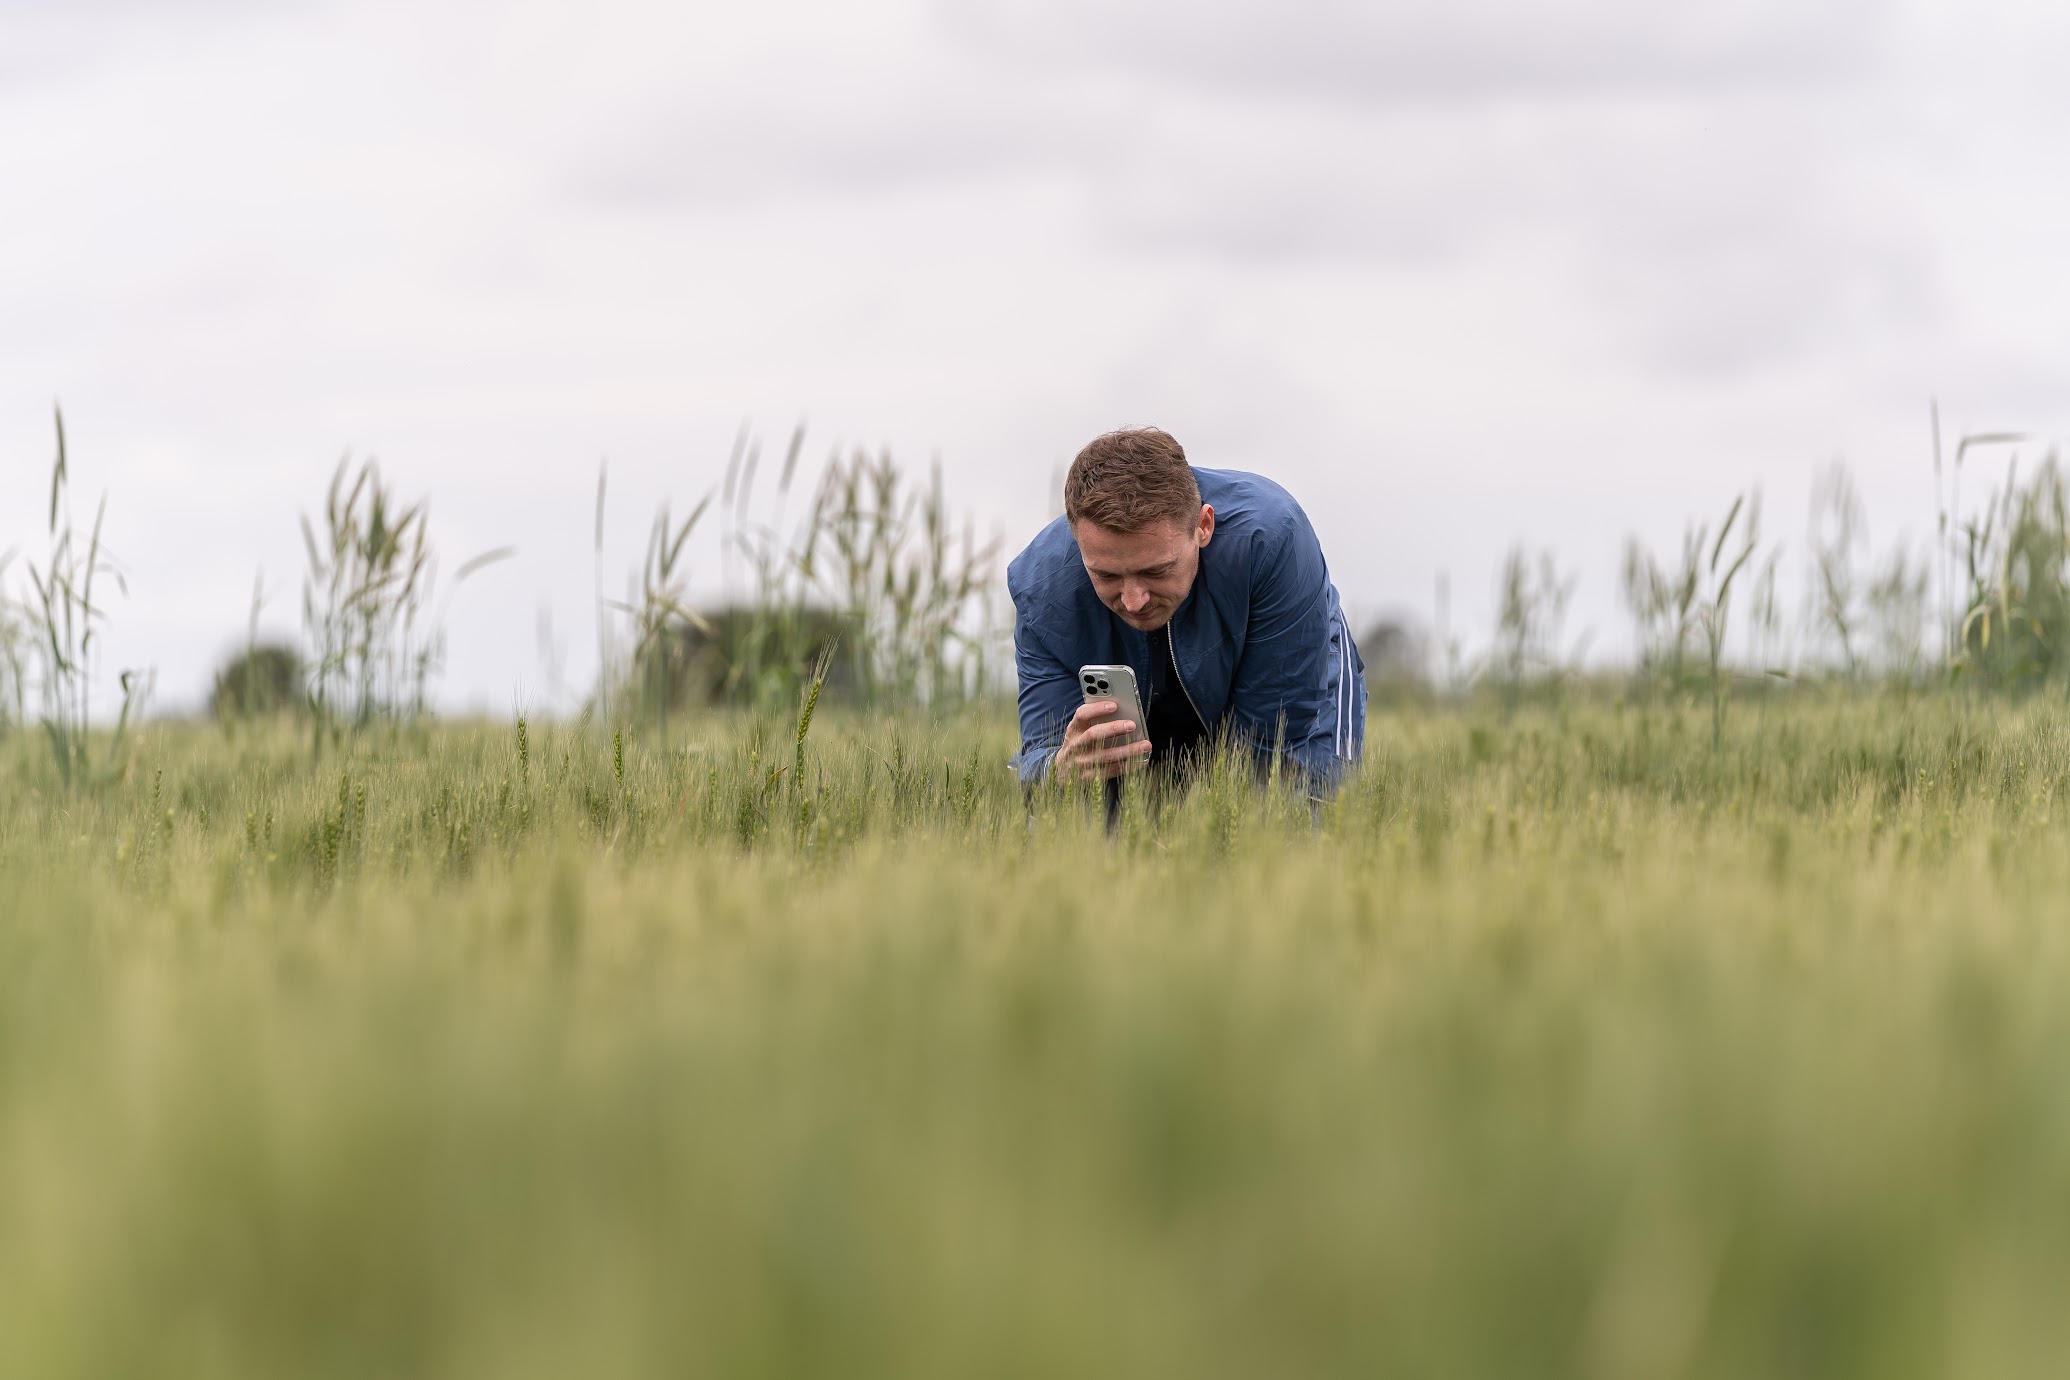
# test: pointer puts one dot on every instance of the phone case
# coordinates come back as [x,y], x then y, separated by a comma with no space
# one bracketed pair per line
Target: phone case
[1117,683]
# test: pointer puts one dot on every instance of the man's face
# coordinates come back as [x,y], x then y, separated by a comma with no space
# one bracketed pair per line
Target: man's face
[1144,576]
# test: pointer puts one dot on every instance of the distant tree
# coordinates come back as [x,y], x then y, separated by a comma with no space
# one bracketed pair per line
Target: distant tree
[265,679]
[744,654]
[1396,653]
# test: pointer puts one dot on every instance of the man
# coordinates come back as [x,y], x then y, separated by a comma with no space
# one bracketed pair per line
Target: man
[1211,586]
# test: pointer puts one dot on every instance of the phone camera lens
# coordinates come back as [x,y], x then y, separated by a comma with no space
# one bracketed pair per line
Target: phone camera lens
[1101,686]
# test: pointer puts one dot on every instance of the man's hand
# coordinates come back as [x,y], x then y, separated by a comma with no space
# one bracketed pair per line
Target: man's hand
[1090,749]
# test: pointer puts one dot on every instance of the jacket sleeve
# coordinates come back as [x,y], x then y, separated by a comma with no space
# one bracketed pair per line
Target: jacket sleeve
[1291,677]
[1048,692]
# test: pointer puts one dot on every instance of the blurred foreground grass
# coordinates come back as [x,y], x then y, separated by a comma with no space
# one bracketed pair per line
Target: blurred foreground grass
[1561,1044]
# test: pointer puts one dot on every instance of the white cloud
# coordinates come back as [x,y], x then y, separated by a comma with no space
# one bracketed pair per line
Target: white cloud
[1414,50]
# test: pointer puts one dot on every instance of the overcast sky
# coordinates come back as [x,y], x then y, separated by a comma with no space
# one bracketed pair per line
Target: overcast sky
[1459,274]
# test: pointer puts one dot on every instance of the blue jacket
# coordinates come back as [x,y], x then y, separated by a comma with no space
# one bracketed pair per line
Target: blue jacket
[1260,642]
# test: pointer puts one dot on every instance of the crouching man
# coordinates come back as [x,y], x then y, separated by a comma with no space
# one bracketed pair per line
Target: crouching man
[1211,586]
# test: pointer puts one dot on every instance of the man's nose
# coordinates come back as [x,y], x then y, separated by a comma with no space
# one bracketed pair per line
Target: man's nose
[1135,598]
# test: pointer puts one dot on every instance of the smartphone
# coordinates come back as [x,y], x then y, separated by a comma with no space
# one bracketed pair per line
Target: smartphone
[1116,683]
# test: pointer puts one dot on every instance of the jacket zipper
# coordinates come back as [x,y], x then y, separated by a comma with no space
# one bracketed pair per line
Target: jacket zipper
[1173,643]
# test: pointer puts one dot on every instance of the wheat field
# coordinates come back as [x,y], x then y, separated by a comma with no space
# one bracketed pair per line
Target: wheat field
[1567,1040]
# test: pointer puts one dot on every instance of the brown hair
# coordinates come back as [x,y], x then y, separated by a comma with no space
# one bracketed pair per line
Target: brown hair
[1126,481]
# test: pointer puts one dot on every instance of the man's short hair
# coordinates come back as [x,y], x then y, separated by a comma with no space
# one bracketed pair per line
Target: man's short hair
[1126,481]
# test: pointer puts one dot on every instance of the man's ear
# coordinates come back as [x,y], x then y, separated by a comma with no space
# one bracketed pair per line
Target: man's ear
[1206,530]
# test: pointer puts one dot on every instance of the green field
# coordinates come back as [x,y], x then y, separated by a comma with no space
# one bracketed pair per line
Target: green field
[1566,1041]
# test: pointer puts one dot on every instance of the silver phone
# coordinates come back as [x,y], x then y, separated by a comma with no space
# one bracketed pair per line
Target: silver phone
[1116,683]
